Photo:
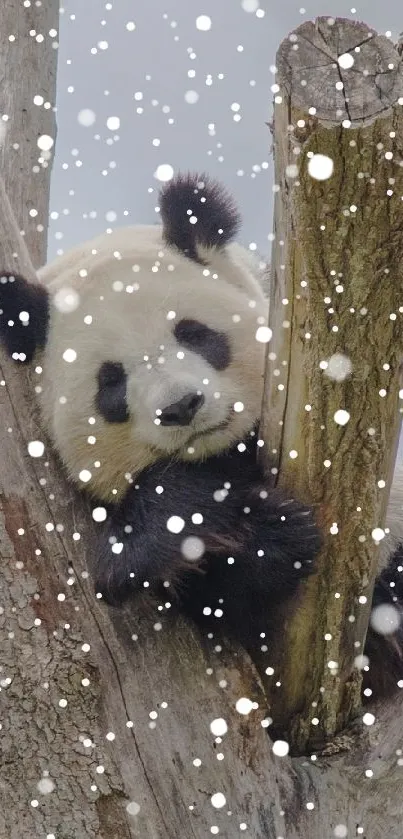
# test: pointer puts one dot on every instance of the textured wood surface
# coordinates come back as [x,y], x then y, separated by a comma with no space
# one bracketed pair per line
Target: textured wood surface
[28,65]
[340,268]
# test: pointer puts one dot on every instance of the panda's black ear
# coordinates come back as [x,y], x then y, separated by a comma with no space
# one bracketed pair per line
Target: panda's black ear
[197,213]
[24,315]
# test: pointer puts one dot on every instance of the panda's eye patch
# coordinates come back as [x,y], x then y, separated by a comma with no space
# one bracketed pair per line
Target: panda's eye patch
[213,346]
[111,399]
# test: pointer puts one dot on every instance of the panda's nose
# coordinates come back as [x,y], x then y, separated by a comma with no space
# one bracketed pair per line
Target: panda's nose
[183,411]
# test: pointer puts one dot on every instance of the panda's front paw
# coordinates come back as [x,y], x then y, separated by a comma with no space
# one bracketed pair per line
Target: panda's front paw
[283,539]
[131,560]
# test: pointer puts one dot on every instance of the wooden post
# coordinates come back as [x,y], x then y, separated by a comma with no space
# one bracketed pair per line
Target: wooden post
[336,313]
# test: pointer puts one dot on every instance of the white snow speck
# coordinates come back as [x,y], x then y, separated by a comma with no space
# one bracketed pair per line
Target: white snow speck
[117,547]
[368,719]
[340,831]
[280,748]
[320,167]
[385,619]
[99,514]
[85,475]
[203,23]
[86,117]
[218,800]
[345,61]
[191,97]
[44,142]
[218,727]
[263,334]
[164,172]
[244,706]
[175,524]
[338,367]
[113,123]
[45,786]
[250,5]
[36,448]
[66,300]
[361,661]
[193,548]
[220,495]
[133,808]
[292,170]
[238,407]
[378,534]
[341,417]
[69,355]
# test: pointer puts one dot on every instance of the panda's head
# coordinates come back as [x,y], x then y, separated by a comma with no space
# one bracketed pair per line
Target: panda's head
[144,341]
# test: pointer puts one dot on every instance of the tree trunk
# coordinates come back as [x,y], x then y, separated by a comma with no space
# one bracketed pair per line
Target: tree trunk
[336,298]
[105,715]
[28,65]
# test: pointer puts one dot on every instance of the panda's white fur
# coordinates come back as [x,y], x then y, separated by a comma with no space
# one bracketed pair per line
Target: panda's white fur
[227,294]
[129,283]
[128,292]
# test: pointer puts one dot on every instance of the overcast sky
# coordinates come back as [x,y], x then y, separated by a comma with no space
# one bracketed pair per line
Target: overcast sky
[178,93]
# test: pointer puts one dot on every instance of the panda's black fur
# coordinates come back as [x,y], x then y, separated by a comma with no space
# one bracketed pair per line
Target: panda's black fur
[237,549]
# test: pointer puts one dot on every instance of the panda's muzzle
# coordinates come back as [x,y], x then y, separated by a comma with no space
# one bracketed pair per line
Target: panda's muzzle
[183,411]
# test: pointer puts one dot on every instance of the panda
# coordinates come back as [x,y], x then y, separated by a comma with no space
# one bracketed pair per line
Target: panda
[151,366]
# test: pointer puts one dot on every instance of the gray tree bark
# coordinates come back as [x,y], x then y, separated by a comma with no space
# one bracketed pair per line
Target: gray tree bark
[105,715]
[28,66]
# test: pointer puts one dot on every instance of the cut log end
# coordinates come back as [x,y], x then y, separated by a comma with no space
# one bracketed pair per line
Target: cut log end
[340,71]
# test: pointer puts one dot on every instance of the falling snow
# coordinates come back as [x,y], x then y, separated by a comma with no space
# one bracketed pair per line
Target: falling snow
[218,800]
[86,117]
[164,172]
[320,167]
[385,619]
[339,366]
[263,334]
[203,23]
[346,61]
[45,142]
[36,448]
[218,727]
[175,524]
[192,548]
[133,808]
[66,300]
[280,748]
[341,417]
[244,706]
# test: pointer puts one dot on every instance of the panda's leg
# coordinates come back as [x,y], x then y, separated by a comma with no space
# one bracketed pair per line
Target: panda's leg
[384,648]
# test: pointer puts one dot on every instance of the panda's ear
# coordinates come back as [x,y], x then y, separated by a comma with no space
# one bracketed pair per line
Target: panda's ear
[197,215]
[24,315]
